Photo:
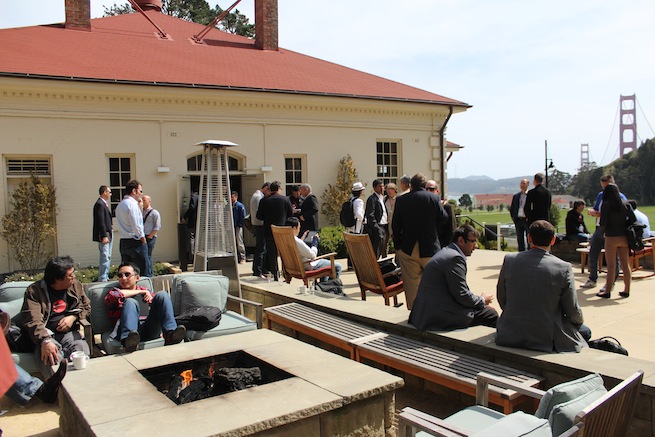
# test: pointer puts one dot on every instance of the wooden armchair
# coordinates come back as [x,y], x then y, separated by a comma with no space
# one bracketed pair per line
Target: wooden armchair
[292,264]
[367,269]
[607,414]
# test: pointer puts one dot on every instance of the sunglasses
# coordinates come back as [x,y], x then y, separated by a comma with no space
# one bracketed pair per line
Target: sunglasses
[431,189]
[124,275]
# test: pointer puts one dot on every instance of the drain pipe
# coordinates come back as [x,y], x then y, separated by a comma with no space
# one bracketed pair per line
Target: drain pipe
[442,139]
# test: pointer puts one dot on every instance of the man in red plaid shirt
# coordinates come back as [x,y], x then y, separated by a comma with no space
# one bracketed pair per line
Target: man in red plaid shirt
[123,308]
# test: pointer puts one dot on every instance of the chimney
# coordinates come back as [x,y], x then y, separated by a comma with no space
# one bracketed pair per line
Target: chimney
[149,5]
[78,14]
[266,24]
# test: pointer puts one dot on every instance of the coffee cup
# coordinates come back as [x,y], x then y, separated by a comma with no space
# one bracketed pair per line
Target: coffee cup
[302,289]
[79,360]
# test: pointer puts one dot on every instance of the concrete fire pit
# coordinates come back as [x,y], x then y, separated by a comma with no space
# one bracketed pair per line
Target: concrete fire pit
[327,394]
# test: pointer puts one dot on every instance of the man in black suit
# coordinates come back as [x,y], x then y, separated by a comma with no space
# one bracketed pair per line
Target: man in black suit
[517,212]
[538,201]
[416,219]
[308,210]
[102,231]
[376,217]
[274,209]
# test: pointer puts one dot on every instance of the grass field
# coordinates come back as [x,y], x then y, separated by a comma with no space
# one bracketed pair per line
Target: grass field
[503,217]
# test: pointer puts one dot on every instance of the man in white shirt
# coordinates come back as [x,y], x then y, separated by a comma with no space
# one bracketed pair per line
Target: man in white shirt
[308,253]
[129,219]
[376,217]
[517,212]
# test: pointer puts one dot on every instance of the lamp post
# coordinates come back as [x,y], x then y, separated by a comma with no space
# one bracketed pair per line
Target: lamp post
[548,163]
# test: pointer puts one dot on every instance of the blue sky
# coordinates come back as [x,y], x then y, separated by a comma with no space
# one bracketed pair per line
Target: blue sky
[533,70]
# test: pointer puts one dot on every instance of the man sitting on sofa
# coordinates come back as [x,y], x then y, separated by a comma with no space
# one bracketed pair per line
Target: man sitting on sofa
[123,308]
[52,309]
[308,253]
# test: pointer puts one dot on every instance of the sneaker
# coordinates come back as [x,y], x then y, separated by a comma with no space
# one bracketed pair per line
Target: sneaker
[175,336]
[589,284]
[49,389]
[131,342]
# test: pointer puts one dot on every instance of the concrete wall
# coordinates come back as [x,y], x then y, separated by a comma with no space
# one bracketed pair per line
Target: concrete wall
[78,125]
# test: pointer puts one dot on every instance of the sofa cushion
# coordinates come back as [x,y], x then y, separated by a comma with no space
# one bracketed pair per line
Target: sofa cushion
[567,391]
[100,321]
[563,415]
[474,419]
[194,290]
[11,298]
[517,424]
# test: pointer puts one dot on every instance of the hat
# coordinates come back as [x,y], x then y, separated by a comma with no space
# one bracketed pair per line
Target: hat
[358,186]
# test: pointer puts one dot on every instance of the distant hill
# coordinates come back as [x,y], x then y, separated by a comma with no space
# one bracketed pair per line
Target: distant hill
[484,185]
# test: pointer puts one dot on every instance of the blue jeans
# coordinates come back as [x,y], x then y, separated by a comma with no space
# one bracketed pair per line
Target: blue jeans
[24,388]
[326,263]
[136,252]
[160,317]
[150,242]
[105,260]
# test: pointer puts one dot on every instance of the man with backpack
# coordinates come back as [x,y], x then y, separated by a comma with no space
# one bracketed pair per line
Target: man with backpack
[352,210]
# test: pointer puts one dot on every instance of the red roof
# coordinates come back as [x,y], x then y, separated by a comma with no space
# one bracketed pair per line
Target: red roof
[126,48]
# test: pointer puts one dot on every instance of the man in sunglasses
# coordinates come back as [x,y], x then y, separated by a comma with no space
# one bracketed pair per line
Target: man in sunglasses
[444,301]
[123,307]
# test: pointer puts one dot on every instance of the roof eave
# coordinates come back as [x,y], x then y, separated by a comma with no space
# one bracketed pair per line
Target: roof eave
[231,88]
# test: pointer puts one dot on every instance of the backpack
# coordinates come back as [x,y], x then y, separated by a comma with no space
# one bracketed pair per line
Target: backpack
[347,214]
[634,231]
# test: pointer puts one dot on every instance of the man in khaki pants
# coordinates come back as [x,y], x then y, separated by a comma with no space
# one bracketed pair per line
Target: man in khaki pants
[416,218]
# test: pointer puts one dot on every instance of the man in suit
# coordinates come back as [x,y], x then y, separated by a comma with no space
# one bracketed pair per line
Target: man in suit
[259,266]
[102,231]
[536,291]
[416,218]
[308,209]
[444,300]
[538,201]
[274,209]
[517,212]
[376,217]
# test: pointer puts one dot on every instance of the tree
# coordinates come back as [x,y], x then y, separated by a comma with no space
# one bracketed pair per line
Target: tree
[559,181]
[335,195]
[196,11]
[490,208]
[555,214]
[501,207]
[30,222]
[465,200]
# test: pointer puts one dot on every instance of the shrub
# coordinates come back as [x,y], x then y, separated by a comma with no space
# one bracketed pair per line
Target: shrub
[335,195]
[85,275]
[331,240]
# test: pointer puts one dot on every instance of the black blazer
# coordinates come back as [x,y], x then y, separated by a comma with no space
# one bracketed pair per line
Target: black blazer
[416,218]
[537,204]
[514,207]
[274,210]
[309,211]
[373,213]
[102,226]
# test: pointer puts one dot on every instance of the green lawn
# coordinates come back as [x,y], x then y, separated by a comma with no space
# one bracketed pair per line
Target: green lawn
[503,217]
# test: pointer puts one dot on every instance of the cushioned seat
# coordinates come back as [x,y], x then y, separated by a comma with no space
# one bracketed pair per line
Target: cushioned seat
[193,290]
[103,325]
[11,302]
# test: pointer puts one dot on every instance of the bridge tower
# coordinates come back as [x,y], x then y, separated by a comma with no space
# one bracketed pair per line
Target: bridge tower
[584,156]
[628,139]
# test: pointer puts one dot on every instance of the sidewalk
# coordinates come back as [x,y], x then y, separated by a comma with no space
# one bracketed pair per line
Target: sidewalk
[630,320]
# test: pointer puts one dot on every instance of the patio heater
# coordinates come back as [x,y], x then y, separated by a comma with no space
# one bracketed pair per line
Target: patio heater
[215,243]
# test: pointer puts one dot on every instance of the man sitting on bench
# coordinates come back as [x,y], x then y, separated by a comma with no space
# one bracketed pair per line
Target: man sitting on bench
[536,291]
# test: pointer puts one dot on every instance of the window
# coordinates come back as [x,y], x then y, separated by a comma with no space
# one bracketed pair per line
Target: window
[120,173]
[293,166]
[194,163]
[387,161]
[28,167]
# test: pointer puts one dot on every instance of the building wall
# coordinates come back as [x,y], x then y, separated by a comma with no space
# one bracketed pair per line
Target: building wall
[80,124]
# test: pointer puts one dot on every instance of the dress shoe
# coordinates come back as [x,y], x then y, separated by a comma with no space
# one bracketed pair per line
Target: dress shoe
[131,342]
[175,336]
[49,389]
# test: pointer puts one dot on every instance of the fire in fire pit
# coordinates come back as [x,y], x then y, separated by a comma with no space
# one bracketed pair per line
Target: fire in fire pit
[212,376]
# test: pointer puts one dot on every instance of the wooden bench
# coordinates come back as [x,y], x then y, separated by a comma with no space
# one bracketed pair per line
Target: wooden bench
[447,368]
[642,254]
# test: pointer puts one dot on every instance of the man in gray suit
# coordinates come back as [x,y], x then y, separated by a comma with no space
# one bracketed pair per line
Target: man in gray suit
[444,300]
[536,291]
